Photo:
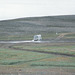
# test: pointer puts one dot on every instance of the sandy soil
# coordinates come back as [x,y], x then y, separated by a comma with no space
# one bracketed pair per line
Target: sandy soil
[50,71]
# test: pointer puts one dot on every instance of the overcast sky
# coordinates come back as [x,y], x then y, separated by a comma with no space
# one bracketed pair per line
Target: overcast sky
[10,9]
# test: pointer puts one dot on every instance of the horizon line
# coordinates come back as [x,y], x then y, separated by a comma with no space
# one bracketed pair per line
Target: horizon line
[33,17]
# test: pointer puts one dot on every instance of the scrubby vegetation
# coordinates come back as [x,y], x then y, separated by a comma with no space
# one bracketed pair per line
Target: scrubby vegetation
[54,54]
[25,28]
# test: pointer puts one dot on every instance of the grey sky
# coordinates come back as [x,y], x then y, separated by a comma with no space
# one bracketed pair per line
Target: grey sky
[28,8]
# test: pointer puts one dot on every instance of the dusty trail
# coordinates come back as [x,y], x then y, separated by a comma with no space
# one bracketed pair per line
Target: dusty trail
[16,42]
[62,35]
[55,53]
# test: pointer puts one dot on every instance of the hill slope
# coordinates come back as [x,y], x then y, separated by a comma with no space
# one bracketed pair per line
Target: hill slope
[27,27]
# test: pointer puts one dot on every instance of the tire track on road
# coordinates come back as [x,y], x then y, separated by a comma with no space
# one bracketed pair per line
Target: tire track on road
[46,52]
